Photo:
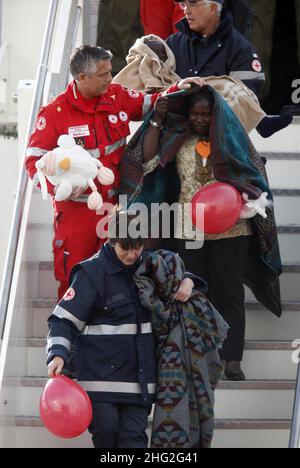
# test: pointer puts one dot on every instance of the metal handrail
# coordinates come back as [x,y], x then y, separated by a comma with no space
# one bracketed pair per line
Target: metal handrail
[295,430]
[23,179]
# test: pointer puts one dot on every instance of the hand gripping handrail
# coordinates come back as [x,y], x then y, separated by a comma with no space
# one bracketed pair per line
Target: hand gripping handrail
[23,179]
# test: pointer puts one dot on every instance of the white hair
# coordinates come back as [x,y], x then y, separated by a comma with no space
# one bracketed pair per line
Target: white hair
[219,6]
[219,9]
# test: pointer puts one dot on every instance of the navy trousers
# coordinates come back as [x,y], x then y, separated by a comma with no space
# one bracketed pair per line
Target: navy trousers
[118,425]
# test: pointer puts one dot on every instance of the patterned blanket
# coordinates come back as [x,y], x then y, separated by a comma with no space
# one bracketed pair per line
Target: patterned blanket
[235,161]
[187,339]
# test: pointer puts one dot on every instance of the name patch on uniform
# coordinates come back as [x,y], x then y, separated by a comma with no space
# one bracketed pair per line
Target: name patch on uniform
[80,131]
[70,294]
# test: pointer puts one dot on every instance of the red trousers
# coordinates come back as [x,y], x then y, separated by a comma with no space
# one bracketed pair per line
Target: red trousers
[75,239]
[160,16]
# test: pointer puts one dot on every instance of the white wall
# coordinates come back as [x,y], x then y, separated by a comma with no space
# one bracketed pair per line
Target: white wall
[23,26]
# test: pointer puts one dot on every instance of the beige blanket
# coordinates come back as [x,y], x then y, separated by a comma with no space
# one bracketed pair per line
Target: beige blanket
[146,72]
[240,98]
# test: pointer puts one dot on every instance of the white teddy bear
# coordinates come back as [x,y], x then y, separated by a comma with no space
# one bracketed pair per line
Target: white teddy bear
[75,168]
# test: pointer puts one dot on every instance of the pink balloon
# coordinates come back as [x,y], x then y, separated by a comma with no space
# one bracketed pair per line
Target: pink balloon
[216,208]
[65,408]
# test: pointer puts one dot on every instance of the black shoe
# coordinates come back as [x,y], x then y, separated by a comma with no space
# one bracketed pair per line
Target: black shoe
[233,372]
[270,125]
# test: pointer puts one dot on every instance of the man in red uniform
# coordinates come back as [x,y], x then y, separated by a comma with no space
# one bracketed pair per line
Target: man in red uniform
[96,113]
[159,17]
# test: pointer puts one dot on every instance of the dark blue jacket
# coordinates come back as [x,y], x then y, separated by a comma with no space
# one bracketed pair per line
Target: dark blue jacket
[115,352]
[226,52]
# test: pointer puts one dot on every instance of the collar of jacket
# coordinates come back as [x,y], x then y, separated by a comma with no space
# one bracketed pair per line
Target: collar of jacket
[112,265]
[224,29]
[106,101]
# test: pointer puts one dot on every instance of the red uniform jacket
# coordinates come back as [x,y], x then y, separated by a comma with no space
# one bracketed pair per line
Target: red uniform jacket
[100,125]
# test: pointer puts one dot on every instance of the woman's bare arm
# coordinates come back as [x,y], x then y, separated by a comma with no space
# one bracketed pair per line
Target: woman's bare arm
[151,138]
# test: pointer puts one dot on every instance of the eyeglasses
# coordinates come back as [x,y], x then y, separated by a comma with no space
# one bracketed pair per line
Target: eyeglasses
[193,3]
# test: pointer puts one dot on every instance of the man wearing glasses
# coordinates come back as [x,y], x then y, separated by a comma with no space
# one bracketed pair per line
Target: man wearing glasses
[207,44]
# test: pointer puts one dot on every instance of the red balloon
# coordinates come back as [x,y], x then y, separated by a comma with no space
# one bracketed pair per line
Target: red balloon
[65,408]
[216,208]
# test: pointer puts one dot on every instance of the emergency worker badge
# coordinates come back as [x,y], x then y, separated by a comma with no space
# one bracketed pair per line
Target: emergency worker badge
[79,141]
[70,294]
[113,119]
[256,65]
[133,94]
[41,123]
[123,116]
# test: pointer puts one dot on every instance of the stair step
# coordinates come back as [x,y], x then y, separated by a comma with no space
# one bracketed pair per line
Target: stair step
[281,192]
[50,303]
[265,360]
[258,385]
[261,437]
[283,170]
[242,424]
[261,323]
[288,239]
[250,344]
[280,156]
[29,432]
[288,267]
[41,266]
[289,243]
[288,229]
[255,400]
[40,382]
[286,305]
[223,424]
[44,285]
[234,400]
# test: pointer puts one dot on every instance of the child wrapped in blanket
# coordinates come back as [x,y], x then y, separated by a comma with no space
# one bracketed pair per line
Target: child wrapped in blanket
[151,68]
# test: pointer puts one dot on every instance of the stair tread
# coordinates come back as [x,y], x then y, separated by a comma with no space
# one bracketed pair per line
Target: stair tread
[286,305]
[268,345]
[40,342]
[288,267]
[288,229]
[48,303]
[260,424]
[39,382]
[258,385]
[224,424]
[281,192]
[280,155]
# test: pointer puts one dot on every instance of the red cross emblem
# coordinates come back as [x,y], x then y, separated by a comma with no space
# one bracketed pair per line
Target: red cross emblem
[70,294]
[257,66]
